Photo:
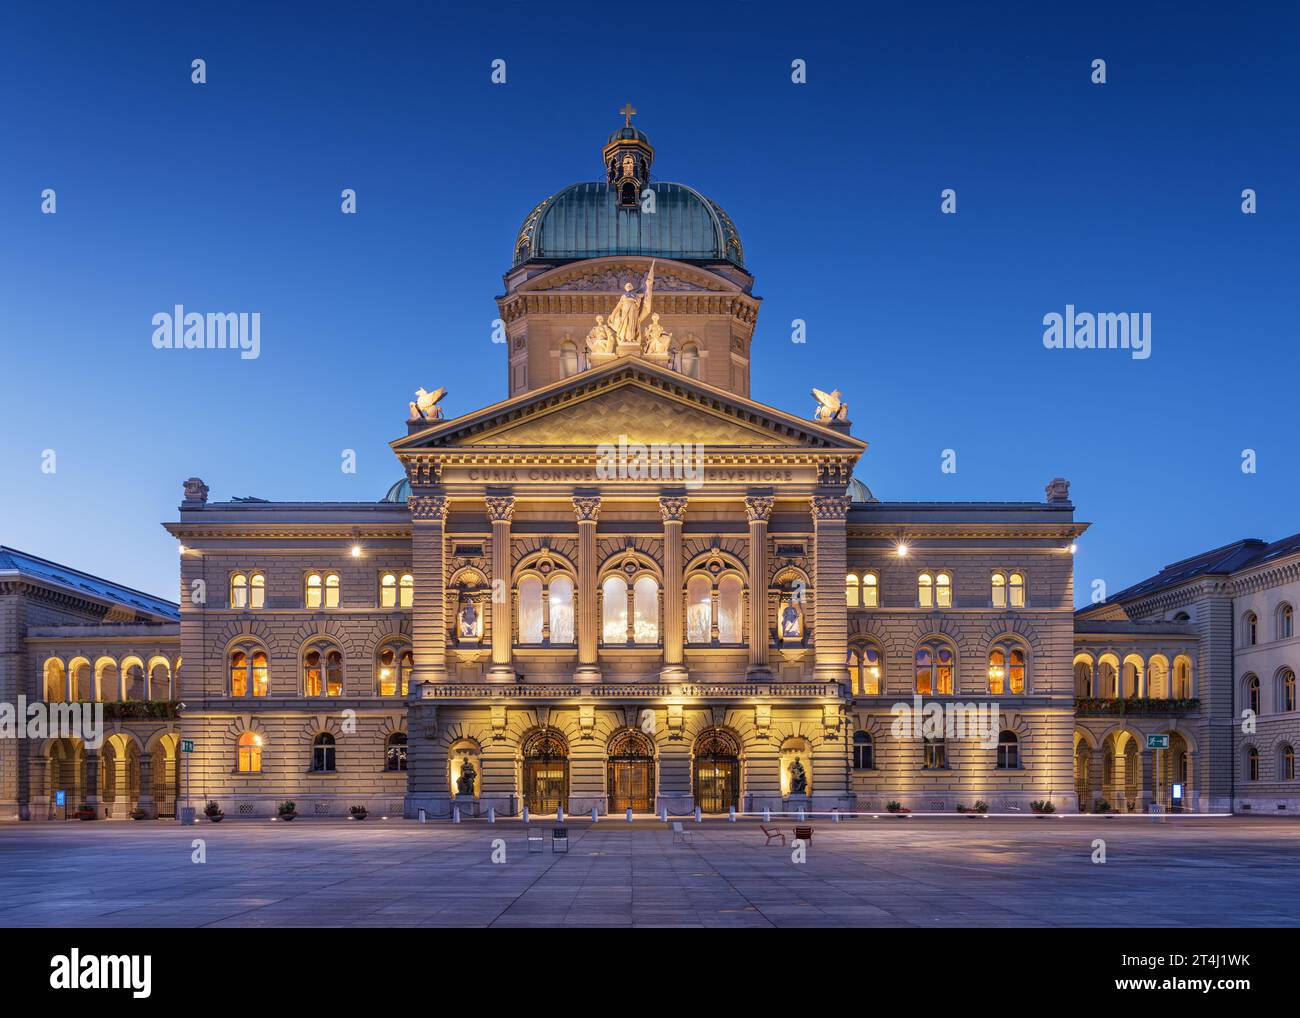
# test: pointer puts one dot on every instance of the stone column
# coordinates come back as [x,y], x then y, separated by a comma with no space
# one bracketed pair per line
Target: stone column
[501,510]
[758,509]
[429,608]
[145,800]
[830,551]
[1096,765]
[673,511]
[1146,794]
[39,800]
[90,791]
[587,510]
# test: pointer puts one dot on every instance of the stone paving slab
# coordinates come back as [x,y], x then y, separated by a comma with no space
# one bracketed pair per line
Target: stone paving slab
[932,872]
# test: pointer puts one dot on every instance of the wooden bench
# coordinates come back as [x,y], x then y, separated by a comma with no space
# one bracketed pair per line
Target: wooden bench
[771,834]
[803,834]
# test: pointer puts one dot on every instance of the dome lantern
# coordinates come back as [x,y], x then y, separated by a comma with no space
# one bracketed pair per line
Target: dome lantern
[628,155]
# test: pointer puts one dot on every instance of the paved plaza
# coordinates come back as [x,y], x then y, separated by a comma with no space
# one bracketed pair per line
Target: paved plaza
[929,872]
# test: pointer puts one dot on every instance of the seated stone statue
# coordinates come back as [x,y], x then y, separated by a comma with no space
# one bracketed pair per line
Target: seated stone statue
[465,783]
[798,778]
[601,337]
[656,340]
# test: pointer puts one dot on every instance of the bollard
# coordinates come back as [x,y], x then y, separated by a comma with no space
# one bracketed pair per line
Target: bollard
[835,816]
[699,814]
[663,813]
[421,815]
[629,814]
[455,814]
[559,814]
[801,816]
[731,814]
[767,816]
[594,818]
[492,814]
[525,815]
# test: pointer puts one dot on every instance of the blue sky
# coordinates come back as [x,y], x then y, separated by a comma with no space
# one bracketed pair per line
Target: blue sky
[225,196]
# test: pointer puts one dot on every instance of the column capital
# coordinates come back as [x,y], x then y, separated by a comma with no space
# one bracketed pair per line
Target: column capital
[758,508]
[428,508]
[672,508]
[586,508]
[501,508]
[830,507]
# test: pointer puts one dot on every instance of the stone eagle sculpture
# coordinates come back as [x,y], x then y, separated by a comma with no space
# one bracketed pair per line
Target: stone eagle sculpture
[829,406]
[425,407]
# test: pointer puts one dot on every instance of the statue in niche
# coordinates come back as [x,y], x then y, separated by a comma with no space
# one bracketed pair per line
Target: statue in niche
[601,338]
[798,778]
[467,622]
[468,775]
[656,340]
[791,622]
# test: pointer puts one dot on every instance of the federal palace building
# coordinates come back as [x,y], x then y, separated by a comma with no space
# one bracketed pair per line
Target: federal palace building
[628,585]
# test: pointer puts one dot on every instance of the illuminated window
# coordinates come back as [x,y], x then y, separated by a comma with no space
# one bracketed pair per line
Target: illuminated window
[331,590]
[315,587]
[943,591]
[250,753]
[395,752]
[406,590]
[925,590]
[854,665]
[614,610]
[729,616]
[1016,588]
[560,604]
[936,755]
[323,672]
[257,591]
[871,670]
[530,610]
[239,590]
[322,753]
[1006,669]
[699,609]
[248,673]
[393,671]
[645,605]
[936,666]
[870,591]
[387,590]
[852,590]
[864,756]
[999,590]
[1008,751]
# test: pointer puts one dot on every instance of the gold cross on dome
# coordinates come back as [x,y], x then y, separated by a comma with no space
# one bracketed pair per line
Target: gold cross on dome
[628,112]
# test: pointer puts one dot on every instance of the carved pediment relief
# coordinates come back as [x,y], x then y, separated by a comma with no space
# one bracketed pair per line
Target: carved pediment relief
[610,278]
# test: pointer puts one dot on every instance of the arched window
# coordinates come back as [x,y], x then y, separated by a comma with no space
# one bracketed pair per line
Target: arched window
[55,681]
[1250,629]
[530,610]
[79,676]
[133,673]
[699,609]
[870,591]
[1083,677]
[1285,622]
[331,590]
[614,610]
[943,591]
[249,675]
[160,680]
[729,615]
[852,590]
[690,360]
[864,670]
[1252,764]
[1286,689]
[936,754]
[645,608]
[323,672]
[322,590]
[561,608]
[854,664]
[108,679]
[1016,590]
[925,590]
[405,590]
[1158,677]
[1286,763]
[395,752]
[568,359]
[1007,668]
[388,590]
[1252,693]
[395,665]
[1182,678]
[1008,750]
[936,666]
[250,753]
[1131,673]
[322,753]
[239,590]
[864,756]
[999,590]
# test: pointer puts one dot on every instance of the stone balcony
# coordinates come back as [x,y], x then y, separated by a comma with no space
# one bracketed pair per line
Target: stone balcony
[1094,707]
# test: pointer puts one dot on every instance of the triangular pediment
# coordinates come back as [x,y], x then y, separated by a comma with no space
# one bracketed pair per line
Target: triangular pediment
[631,400]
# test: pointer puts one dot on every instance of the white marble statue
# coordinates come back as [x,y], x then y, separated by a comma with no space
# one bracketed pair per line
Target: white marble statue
[425,407]
[601,338]
[656,339]
[631,310]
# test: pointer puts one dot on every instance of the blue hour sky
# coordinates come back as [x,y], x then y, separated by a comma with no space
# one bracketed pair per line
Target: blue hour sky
[1122,197]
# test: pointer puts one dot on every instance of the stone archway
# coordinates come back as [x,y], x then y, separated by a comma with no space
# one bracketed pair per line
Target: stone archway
[631,772]
[716,771]
[546,771]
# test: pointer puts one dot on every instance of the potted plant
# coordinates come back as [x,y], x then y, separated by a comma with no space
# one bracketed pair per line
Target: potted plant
[85,811]
[897,808]
[288,810]
[1103,806]
[213,812]
[1042,807]
[138,814]
[358,812]
[980,806]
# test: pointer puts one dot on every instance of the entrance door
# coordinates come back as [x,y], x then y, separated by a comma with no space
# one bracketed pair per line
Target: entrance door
[546,772]
[717,772]
[631,773]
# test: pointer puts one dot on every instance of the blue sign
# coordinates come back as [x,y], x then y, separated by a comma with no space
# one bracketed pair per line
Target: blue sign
[60,798]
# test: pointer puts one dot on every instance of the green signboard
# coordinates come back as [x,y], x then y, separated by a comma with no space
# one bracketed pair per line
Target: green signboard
[1157,742]
[187,745]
